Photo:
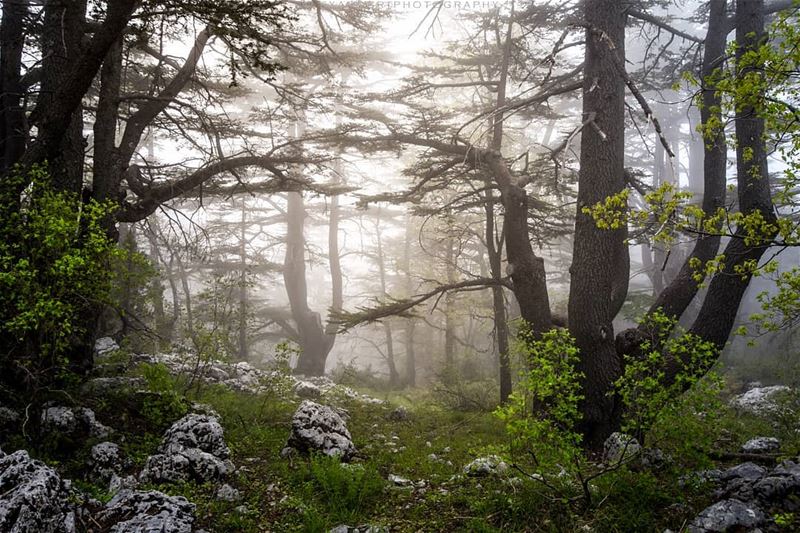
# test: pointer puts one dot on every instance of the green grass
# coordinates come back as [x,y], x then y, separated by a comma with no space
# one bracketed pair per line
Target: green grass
[315,494]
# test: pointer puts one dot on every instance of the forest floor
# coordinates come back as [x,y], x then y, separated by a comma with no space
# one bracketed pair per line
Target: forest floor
[410,474]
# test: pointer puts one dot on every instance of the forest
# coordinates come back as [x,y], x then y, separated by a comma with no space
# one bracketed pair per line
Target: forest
[354,266]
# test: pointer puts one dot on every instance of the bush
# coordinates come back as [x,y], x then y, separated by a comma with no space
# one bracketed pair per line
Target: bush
[55,276]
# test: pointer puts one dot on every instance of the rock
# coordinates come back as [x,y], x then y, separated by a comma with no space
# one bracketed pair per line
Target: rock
[653,459]
[117,483]
[307,390]
[399,414]
[8,418]
[760,401]
[147,512]
[620,447]
[33,497]
[72,421]
[103,385]
[226,493]
[359,529]
[727,515]
[486,466]
[193,448]
[320,428]
[761,445]
[398,481]
[747,471]
[105,346]
[105,462]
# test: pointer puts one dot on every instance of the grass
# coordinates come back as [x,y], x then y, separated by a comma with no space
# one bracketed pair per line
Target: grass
[314,494]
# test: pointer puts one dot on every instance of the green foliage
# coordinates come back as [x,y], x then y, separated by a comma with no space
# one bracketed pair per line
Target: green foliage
[167,403]
[644,388]
[346,491]
[542,414]
[55,272]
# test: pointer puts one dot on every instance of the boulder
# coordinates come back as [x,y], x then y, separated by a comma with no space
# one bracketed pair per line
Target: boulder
[491,465]
[9,418]
[105,462]
[33,497]
[760,401]
[620,447]
[320,428]
[147,512]
[193,448]
[72,421]
[727,515]
[307,390]
[761,445]
[105,346]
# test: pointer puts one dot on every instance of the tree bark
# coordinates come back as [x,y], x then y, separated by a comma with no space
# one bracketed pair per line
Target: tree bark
[411,356]
[315,343]
[13,131]
[726,290]
[601,265]
[62,42]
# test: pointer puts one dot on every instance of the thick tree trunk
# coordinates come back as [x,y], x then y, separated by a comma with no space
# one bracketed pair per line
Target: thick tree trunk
[600,267]
[726,290]
[62,42]
[13,131]
[315,343]
[676,297]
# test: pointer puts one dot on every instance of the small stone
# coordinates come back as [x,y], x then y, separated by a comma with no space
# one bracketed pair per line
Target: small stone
[486,466]
[399,414]
[398,481]
[620,447]
[227,493]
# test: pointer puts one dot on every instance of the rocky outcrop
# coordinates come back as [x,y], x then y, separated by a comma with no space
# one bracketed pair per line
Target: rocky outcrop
[760,401]
[33,497]
[761,445]
[72,421]
[147,512]
[748,494]
[193,448]
[727,515]
[320,428]
[105,463]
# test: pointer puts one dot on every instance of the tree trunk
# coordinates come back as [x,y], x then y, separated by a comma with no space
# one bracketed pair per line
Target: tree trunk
[394,377]
[62,40]
[244,307]
[411,359]
[13,130]
[449,310]
[600,267]
[726,290]
[315,343]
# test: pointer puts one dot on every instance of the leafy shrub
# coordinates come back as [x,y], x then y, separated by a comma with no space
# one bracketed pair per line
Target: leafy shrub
[167,403]
[541,415]
[55,274]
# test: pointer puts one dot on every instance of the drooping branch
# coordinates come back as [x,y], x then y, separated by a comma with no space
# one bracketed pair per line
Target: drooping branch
[646,17]
[346,320]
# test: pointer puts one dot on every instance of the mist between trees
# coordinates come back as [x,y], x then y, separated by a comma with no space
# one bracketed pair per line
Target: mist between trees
[398,188]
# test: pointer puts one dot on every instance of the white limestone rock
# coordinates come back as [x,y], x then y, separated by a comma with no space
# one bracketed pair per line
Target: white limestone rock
[147,512]
[33,497]
[321,428]
[486,466]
